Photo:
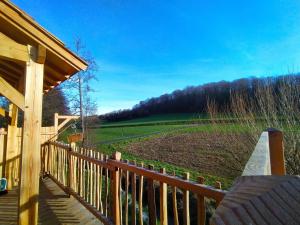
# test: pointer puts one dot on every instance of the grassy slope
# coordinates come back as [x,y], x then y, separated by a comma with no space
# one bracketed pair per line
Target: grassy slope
[209,179]
[131,132]
[112,133]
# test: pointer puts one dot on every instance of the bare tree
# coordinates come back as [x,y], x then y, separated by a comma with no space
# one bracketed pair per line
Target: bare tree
[78,87]
[275,103]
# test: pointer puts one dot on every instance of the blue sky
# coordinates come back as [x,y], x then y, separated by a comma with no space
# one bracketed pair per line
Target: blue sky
[146,48]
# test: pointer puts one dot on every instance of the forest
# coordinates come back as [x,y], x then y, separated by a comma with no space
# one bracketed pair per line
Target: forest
[194,99]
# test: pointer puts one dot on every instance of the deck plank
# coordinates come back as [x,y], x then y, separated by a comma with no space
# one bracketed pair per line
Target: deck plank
[55,207]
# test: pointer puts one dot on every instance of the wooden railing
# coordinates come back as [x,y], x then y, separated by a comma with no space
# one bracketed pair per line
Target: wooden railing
[119,192]
[268,155]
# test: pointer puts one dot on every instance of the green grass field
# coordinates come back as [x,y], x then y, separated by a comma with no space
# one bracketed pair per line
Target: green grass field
[110,137]
[117,133]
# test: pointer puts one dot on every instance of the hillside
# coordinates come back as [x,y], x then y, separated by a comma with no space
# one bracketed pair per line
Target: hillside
[194,100]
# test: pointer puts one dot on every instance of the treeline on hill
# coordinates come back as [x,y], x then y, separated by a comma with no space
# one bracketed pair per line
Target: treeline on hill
[193,99]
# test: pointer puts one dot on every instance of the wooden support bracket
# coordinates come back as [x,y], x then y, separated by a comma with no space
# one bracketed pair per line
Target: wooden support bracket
[11,93]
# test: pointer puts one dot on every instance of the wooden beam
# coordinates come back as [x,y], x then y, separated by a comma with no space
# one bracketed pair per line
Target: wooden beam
[11,50]
[63,124]
[41,57]
[30,167]
[15,68]
[67,117]
[11,93]
[8,73]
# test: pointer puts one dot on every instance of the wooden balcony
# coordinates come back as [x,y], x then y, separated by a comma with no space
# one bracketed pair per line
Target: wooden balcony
[83,186]
[55,207]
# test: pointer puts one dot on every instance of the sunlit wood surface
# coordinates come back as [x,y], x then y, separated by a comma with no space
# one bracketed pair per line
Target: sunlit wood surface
[55,207]
[261,200]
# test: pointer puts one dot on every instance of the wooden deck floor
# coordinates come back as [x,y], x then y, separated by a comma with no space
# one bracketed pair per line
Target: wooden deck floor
[55,207]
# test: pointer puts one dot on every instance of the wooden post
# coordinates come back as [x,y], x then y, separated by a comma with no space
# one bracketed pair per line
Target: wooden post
[70,166]
[30,161]
[56,124]
[115,191]
[3,135]
[276,152]
[186,203]
[12,147]
[201,205]
[218,185]
[163,201]
[151,199]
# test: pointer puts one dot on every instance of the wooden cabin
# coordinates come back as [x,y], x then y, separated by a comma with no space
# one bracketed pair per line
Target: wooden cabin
[57,183]
[32,62]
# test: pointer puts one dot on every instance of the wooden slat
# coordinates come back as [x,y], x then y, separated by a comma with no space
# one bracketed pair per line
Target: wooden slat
[218,186]
[12,156]
[120,196]
[174,202]
[2,151]
[151,199]
[163,201]
[106,190]
[201,214]
[133,197]
[101,185]
[115,191]
[186,203]
[141,184]
[97,183]
[126,195]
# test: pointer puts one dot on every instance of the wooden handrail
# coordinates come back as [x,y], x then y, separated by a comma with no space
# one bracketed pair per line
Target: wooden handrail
[268,155]
[83,174]
[201,189]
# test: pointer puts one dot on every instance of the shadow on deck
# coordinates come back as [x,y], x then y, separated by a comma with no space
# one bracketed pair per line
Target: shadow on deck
[55,207]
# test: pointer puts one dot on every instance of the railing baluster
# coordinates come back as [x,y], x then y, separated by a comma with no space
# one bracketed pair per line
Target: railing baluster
[120,196]
[115,191]
[106,190]
[133,197]
[186,203]
[141,184]
[70,168]
[81,171]
[81,175]
[91,178]
[218,185]
[163,201]
[201,214]
[126,194]
[175,210]
[151,199]
[100,188]
[97,182]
